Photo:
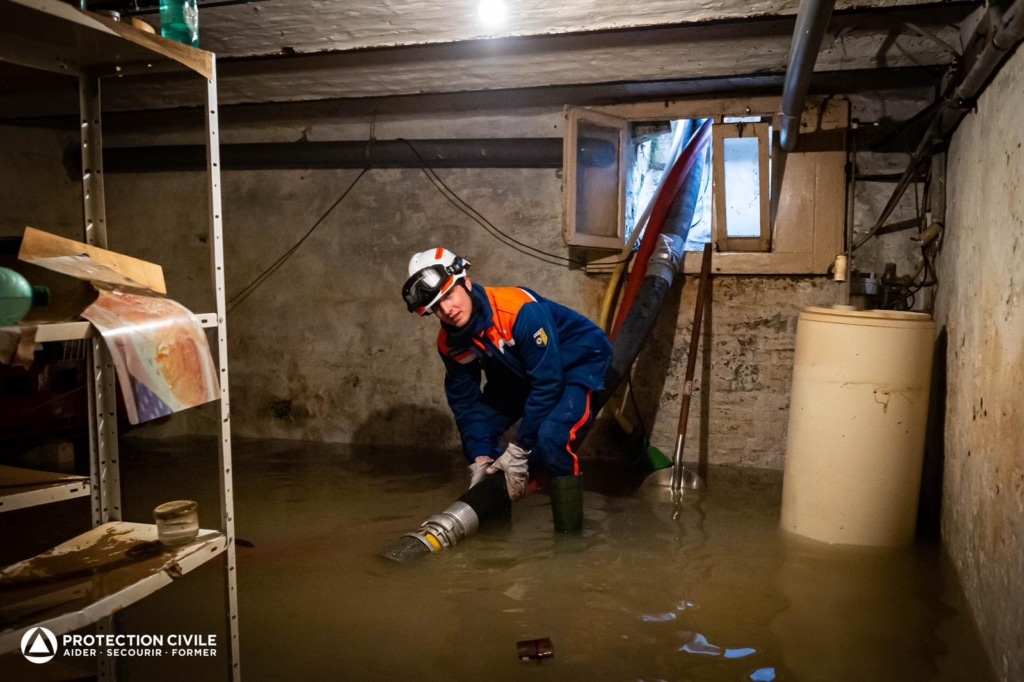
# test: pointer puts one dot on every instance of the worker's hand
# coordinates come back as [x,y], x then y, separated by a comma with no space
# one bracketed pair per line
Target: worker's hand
[514,463]
[478,470]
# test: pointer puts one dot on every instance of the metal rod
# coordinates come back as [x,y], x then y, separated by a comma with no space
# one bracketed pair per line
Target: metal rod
[103,458]
[691,366]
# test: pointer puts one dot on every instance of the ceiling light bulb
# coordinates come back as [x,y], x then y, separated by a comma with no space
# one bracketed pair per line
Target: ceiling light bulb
[492,11]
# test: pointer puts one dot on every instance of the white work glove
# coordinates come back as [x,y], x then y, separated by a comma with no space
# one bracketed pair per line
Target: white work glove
[514,463]
[478,470]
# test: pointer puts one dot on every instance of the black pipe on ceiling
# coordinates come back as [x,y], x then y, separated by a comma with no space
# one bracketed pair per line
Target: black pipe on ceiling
[468,153]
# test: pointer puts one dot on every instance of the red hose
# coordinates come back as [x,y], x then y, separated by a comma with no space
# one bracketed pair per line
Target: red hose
[673,182]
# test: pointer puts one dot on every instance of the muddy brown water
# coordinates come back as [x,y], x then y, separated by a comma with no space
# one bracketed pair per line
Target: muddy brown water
[703,587]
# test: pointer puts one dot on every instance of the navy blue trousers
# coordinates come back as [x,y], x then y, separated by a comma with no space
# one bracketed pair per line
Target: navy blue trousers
[559,435]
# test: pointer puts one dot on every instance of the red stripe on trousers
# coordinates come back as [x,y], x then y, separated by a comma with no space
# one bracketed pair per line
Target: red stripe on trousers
[572,437]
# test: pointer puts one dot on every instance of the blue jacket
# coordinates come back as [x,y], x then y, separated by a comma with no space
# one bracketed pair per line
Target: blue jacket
[528,348]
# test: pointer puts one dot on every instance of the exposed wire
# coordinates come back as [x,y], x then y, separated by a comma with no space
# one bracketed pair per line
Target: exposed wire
[926,145]
[263,276]
[929,277]
[507,239]
[449,194]
[901,188]
[900,293]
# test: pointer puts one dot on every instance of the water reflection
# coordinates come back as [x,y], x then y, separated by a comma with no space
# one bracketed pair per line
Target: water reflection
[866,613]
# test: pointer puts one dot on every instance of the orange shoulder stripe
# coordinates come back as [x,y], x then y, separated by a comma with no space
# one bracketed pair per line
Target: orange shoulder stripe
[506,302]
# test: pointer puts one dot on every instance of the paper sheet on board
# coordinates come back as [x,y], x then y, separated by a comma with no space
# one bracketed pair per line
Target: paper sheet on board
[160,351]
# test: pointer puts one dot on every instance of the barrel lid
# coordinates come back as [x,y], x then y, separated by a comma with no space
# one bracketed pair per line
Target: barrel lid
[883,318]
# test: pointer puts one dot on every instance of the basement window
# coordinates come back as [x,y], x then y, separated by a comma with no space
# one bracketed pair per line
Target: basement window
[616,156]
[595,180]
[742,170]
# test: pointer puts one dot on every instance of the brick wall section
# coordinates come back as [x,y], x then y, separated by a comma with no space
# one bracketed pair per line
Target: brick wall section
[753,336]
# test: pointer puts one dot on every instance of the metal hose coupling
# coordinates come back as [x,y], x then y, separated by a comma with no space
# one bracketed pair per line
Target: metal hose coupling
[664,262]
[444,530]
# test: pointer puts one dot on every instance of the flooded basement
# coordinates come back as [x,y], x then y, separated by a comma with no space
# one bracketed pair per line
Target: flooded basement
[702,588]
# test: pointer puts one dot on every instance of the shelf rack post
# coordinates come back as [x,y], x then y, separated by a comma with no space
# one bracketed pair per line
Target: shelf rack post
[227,506]
[103,458]
[106,483]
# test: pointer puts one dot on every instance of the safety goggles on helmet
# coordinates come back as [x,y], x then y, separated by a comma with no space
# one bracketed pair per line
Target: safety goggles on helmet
[427,286]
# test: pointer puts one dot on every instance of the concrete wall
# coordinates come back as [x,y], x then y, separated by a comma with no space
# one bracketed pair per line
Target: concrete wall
[980,300]
[34,189]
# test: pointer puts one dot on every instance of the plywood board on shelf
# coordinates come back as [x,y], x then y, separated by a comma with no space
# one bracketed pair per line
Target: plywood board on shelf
[91,263]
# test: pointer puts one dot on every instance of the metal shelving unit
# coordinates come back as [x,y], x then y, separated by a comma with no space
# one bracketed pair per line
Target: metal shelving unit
[53,36]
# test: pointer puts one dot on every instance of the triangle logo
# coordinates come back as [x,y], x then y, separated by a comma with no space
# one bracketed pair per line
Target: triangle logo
[38,645]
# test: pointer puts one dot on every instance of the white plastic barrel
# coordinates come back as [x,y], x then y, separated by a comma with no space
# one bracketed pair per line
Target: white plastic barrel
[857,425]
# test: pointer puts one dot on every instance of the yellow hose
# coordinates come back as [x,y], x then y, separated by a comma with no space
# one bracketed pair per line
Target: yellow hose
[612,291]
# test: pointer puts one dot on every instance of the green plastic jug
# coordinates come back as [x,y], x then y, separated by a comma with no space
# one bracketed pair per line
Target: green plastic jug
[17,297]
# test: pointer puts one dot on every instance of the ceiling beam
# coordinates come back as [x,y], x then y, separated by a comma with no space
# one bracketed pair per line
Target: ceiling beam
[237,115]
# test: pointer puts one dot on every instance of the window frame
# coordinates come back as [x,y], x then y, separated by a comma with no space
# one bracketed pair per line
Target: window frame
[720,132]
[810,221]
[574,236]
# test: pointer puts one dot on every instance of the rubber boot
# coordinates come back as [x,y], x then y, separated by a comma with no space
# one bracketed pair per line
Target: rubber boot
[567,503]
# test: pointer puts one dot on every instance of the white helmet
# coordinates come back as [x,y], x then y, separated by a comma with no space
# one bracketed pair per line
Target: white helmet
[432,274]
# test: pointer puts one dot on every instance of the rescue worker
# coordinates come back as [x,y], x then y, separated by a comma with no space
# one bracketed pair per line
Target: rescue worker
[542,362]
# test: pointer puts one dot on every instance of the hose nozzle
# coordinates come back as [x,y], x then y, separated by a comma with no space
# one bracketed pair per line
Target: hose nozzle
[440,531]
[460,520]
[444,530]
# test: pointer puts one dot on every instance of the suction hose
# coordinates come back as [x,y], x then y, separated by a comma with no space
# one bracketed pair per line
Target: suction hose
[482,502]
[682,131]
[660,272]
[681,171]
